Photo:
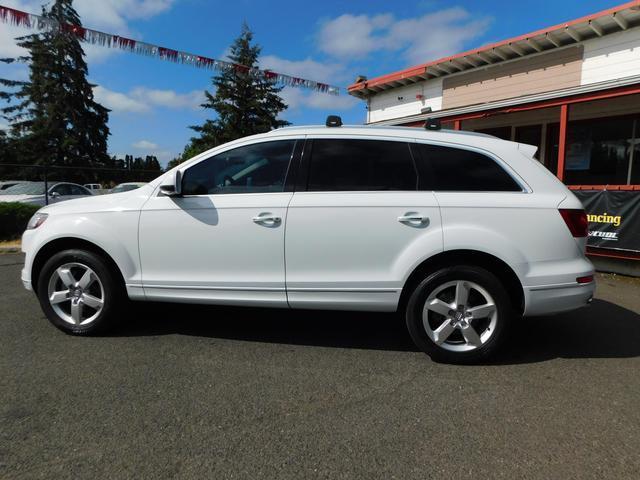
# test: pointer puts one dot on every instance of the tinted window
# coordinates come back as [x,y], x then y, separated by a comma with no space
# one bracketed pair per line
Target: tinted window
[347,165]
[454,169]
[78,190]
[255,168]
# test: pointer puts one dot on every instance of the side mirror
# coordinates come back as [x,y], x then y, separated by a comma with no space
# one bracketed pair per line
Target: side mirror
[173,185]
[54,195]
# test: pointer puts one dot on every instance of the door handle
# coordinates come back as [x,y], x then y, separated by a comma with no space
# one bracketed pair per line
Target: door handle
[413,218]
[267,219]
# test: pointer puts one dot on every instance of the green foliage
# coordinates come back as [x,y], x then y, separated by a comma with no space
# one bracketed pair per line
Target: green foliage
[245,103]
[54,118]
[14,218]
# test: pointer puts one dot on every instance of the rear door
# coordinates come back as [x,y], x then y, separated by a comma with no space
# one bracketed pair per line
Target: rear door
[356,225]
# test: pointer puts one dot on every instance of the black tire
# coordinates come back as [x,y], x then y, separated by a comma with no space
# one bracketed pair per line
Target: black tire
[494,333]
[109,285]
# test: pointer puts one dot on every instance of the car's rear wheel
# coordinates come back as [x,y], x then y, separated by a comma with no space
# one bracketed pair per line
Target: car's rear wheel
[459,314]
[78,292]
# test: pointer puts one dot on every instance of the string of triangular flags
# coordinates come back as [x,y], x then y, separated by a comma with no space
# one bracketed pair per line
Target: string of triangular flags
[95,37]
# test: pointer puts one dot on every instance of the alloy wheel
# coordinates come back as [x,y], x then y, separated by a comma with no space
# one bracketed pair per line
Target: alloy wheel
[460,316]
[76,293]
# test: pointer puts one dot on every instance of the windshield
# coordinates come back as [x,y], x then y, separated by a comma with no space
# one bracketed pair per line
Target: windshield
[33,188]
[125,188]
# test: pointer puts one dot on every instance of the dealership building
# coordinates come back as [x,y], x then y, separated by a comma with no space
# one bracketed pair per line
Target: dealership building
[572,90]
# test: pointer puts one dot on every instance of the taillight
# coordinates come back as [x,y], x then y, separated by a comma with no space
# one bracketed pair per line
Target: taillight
[576,220]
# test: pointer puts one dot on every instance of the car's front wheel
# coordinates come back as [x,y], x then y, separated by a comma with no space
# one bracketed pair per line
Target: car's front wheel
[459,314]
[78,292]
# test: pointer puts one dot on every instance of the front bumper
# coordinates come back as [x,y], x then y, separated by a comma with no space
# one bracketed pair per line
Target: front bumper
[26,281]
[27,249]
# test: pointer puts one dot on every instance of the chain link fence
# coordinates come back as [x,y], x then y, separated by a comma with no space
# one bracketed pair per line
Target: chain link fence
[106,177]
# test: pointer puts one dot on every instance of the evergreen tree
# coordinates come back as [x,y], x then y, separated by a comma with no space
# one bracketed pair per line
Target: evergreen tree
[245,103]
[54,115]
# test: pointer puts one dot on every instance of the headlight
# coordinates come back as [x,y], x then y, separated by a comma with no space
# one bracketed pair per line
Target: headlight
[37,220]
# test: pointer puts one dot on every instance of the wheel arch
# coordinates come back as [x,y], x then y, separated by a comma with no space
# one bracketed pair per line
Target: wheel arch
[66,243]
[477,258]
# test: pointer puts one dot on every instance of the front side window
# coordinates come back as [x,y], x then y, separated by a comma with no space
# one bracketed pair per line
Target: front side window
[360,165]
[454,169]
[256,168]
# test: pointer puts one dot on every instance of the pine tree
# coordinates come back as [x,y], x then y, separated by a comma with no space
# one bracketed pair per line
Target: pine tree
[245,102]
[54,115]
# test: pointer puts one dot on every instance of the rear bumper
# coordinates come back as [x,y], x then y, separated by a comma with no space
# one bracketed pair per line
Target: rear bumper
[549,299]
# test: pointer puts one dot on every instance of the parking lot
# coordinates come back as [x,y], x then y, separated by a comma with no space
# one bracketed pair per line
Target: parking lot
[207,392]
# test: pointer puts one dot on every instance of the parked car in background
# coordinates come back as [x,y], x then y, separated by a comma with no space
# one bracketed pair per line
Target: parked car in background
[125,187]
[461,233]
[34,192]
[4,184]
[96,188]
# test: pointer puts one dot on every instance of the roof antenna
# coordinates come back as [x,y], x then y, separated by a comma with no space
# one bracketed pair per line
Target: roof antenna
[432,124]
[333,121]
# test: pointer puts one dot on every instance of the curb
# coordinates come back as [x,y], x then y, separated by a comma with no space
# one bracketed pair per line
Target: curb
[4,250]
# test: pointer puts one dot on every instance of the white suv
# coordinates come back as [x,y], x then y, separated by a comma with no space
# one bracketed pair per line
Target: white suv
[460,232]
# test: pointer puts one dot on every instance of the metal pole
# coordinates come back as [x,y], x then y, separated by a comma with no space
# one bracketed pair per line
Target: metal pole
[633,149]
[562,142]
[46,185]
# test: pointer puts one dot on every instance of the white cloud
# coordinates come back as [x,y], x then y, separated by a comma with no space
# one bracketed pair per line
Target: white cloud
[333,73]
[169,98]
[142,99]
[297,98]
[308,68]
[145,145]
[418,40]
[119,102]
[108,15]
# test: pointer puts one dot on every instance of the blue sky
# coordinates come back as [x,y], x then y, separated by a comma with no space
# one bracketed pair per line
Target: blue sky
[153,102]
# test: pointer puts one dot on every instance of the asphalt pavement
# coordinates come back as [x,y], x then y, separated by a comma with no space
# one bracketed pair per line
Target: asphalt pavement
[207,392]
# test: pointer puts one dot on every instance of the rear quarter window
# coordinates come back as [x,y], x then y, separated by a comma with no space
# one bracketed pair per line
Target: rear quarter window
[456,169]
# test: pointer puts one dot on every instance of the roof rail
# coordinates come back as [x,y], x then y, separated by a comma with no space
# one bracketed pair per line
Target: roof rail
[333,121]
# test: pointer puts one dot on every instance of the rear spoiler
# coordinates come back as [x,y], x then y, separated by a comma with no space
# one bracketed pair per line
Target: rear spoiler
[528,150]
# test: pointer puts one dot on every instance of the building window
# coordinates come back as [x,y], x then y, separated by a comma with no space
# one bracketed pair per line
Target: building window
[501,132]
[599,151]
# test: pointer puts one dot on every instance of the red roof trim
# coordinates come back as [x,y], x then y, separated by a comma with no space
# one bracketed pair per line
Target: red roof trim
[595,252]
[421,69]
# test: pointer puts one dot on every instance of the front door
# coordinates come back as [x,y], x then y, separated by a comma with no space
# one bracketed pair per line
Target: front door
[222,241]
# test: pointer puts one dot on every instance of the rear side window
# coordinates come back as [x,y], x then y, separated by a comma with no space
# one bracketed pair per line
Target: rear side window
[455,169]
[78,190]
[360,165]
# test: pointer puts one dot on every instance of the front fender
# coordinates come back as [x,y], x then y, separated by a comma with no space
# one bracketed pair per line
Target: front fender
[116,233]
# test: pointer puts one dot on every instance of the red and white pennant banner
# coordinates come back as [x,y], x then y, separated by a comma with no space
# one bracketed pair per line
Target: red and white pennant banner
[38,22]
